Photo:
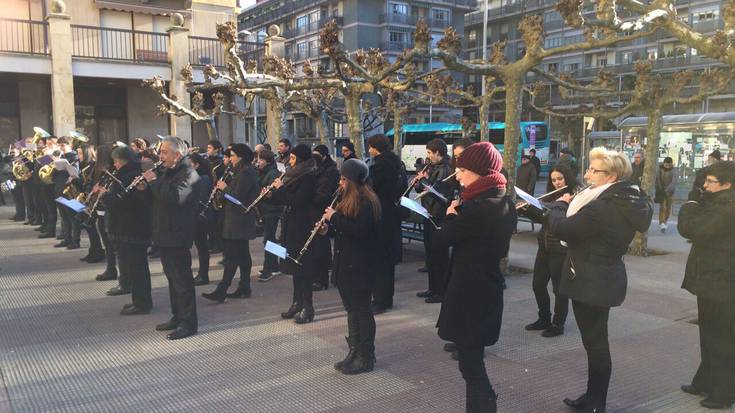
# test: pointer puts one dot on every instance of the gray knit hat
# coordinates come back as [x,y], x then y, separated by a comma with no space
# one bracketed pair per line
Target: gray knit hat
[355,170]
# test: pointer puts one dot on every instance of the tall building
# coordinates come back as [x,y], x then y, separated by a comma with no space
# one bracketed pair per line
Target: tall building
[668,55]
[80,65]
[364,24]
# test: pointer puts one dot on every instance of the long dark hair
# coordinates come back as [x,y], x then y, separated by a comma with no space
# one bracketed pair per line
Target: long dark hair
[569,179]
[352,196]
[103,162]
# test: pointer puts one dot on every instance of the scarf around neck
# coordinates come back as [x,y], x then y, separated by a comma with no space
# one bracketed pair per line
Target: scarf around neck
[494,180]
[585,197]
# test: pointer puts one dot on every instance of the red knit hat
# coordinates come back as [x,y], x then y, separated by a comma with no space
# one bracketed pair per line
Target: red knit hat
[481,158]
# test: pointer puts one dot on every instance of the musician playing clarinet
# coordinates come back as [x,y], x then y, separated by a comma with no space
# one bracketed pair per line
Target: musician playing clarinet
[478,228]
[353,221]
[239,227]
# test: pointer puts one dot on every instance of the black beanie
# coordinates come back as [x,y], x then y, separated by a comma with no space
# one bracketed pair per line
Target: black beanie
[126,154]
[355,170]
[243,151]
[302,152]
[322,150]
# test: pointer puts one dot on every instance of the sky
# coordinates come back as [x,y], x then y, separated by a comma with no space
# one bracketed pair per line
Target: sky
[246,3]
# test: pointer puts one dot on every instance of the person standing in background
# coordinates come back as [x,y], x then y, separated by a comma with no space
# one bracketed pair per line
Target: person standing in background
[666,178]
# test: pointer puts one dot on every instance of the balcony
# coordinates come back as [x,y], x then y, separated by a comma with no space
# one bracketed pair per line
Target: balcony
[299,55]
[119,44]
[312,27]
[397,46]
[23,36]
[209,51]
[398,18]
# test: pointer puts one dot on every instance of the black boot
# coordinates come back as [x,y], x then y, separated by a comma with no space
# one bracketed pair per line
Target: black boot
[306,315]
[579,403]
[201,279]
[351,355]
[62,244]
[296,303]
[95,257]
[108,275]
[538,325]
[363,362]
[218,295]
[241,292]
[482,403]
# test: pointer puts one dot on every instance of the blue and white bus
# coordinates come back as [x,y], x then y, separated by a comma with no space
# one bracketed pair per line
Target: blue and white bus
[415,136]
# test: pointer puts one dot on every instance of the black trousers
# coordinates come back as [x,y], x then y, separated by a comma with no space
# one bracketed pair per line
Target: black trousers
[548,267]
[50,209]
[215,230]
[19,201]
[70,227]
[95,243]
[38,191]
[270,226]
[592,322]
[134,272]
[236,255]
[360,319]
[177,267]
[716,373]
[385,281]
[437,260]
[110,256]
[30,201]
[478,390]
[202,246]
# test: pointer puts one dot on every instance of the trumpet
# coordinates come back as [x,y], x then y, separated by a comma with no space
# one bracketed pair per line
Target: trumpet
[317,227]
[211,200]
[138,179]
[262,195]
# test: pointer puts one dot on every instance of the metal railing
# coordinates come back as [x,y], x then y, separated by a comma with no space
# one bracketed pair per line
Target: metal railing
[119,44]
[209,51]
[397,46]
[398,18]
[311,27]
[24,36]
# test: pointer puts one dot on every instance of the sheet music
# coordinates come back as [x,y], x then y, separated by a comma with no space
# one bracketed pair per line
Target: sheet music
[233,199]
[276,249]
[75,205]
[415,207]
[528,198]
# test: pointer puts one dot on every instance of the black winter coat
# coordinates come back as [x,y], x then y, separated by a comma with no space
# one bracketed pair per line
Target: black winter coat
[327,181]
[710,224]
[206,189]
[128,215]
[243,186]
[472,309]
[356,249]
[598,237]
[269,205]
[176,194]
[437,173]
[386,175]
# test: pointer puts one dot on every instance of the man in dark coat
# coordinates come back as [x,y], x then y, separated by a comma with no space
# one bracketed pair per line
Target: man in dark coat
[638,165]
[348,151]
[526,175]
[327,180]
[437,259]
[710,275]
[535,161]
[175,194]
[218,167]
[698,187]
[128,221]
[270,210]
[388,180]
[284,152]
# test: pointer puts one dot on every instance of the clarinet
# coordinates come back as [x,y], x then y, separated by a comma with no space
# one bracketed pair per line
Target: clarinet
[317,226]
[268,189]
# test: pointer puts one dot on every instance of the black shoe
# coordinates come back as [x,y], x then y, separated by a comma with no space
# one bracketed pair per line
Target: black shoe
[689,388]
[538,325]
[450,347]
[240,293]
[38,229]
[59,237]
[352,345]
[73,246]
[434,299]
[95,257]
[423,269]
[106,276]
[579,403]
[171,324]
[179,333]
[292,311]
[553,331]
[46,235]
[318,287]
[216,295]
[378,308]
[265,276]
[154,254]
[425,294]
[362,363]
[712,403]
[18,219]
[61,244]
[306,315]
[117,291]
[199,280]
[85,258]
[133,310]
[129,305]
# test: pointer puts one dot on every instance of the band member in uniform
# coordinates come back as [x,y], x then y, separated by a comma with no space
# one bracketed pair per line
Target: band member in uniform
[205,216]
[129,227]
[218,166]
[239,227]
[354,222]
[297,189]
[66,174]
[47,196]
[37,190]
[437,259]
[388,181]
[104,163]
[270,210]
[87,161]
[478,228]
[175,194]
[327,180]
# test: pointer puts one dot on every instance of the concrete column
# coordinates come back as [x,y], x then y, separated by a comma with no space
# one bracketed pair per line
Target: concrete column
[62,78]
[275,120]
[178,56]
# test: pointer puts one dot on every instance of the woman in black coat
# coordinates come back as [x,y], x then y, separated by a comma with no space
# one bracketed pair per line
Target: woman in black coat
[205,216]
[549,260]
[239,227]
[356,247]
[710,275]
[598,227]
[327,180]
[479,230]
[87,163]
[297,190]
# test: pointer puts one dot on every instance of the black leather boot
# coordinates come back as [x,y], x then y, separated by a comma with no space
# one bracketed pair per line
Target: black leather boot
[306,315]
[363,362]
[579,403]
[241,292]
[351,355]
[218,295]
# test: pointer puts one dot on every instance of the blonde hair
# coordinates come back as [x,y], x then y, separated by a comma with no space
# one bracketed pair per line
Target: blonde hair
[616,163]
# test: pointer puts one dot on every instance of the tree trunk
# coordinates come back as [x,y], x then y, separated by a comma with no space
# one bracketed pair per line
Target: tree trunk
[322,129]
[483,115]
[639,246]
[274,121]
[354,123]
[211,131]
[397,131]
[513,94]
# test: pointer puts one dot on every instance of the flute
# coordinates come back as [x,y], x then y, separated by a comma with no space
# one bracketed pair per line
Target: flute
[450,176]
[525,204]
[262,195]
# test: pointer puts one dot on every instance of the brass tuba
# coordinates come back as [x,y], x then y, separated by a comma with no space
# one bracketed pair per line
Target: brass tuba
[21,171]
[78,138]
[46,173]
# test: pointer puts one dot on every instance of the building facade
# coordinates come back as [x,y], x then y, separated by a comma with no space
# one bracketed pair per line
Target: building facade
[364,24]
[79,65]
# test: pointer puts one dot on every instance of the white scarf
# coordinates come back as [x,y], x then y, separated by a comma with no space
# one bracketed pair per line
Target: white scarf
[583,198]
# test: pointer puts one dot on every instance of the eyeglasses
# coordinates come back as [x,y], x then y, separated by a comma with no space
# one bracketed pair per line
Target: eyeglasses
[711,181]
[594,171]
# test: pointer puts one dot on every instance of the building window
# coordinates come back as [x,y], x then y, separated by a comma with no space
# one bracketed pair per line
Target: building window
[302,50]
[398,37]
[626,57]
[552,42]
[552,67]
[9,111]
[302,22]
[705,16]
[601,61]
[398,8]
[571,67]
[440,15]
[472,36]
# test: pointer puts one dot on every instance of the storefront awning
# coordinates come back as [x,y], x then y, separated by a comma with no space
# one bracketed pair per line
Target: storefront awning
[672,120]
[159,7]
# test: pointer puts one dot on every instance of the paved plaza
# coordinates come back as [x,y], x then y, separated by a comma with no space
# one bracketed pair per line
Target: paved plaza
[65,348]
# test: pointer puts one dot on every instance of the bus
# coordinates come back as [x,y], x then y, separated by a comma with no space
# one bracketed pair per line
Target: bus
[415,136]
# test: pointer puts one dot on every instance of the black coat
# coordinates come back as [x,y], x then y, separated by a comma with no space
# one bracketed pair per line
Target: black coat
[243,186]
[327,181]
[598,236]
[269,205]
[216,166]
[206,188]
[356,249]
[710,224]
[472,309]
[176,194]
[388,181]
[437,173]
[128,215]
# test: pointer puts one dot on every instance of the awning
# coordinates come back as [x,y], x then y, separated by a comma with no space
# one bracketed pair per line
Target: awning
[158,7]
[604,135]
[673,120]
